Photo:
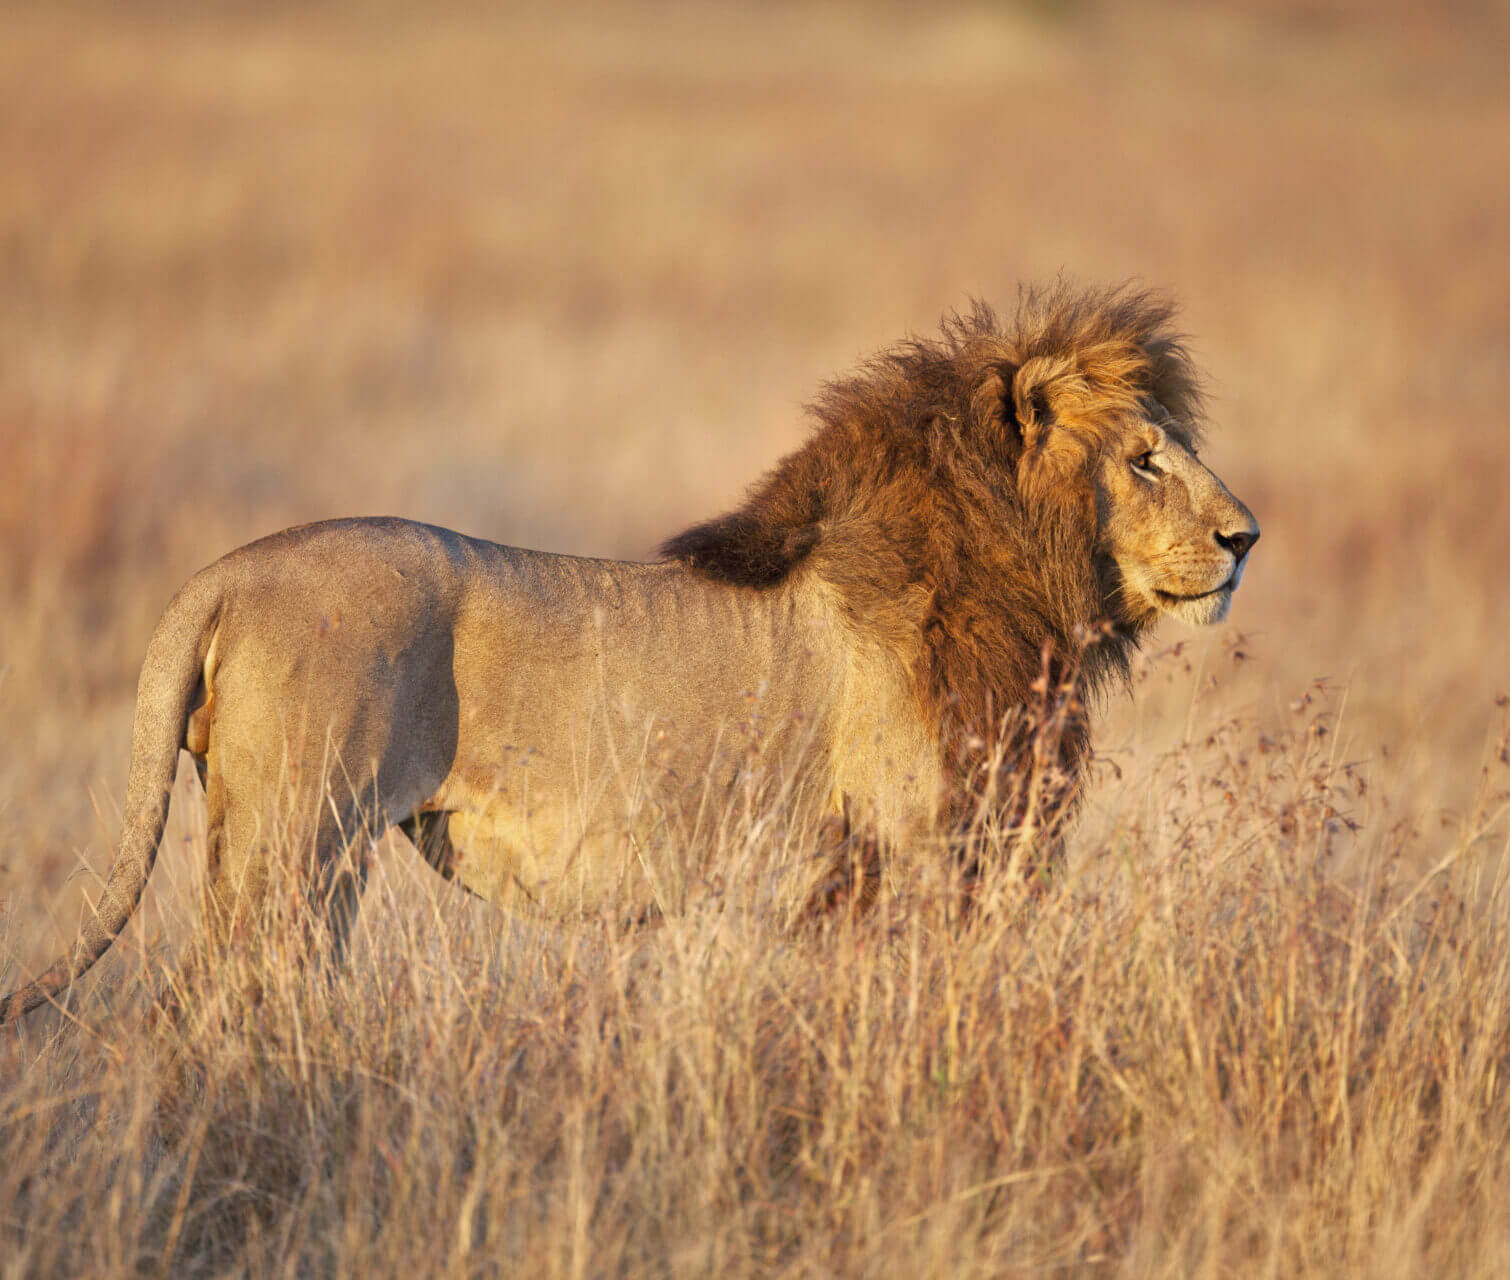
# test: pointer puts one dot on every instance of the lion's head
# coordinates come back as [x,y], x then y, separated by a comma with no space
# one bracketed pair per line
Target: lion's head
[1172,538]
[1166,535]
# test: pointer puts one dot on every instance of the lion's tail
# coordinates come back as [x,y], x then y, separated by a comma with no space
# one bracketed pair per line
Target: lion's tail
[170,675]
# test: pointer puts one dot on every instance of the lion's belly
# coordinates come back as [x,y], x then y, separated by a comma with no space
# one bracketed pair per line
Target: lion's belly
[599,747]
[609,810]
[614,809]
[550,863]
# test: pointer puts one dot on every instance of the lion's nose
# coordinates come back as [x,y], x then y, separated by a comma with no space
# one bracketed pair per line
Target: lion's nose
[1239,543]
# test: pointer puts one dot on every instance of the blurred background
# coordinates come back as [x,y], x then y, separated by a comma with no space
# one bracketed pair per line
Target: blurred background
[564,276]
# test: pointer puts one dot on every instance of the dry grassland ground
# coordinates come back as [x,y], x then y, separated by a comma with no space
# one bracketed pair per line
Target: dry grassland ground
[563,278]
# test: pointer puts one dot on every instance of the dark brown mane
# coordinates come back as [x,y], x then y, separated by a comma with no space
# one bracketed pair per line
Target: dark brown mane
[946,497]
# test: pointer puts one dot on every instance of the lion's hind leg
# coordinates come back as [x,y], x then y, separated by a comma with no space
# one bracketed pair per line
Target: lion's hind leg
[279,874]
[429,832]
[236,877]
[342,854]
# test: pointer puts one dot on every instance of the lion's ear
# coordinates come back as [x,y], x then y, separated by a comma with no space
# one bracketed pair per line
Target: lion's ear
[994,414]
[1030,399]
[1051,457]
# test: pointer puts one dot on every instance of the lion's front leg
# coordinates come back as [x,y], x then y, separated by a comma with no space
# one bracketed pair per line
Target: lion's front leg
[852,880]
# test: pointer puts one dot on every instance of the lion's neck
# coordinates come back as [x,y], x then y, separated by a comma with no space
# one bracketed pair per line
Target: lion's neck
[966,588]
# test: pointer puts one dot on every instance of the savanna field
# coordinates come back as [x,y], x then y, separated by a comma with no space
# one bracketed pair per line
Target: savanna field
[564,279]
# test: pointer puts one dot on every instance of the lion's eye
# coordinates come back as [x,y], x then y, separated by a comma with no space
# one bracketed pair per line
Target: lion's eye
[1144,463]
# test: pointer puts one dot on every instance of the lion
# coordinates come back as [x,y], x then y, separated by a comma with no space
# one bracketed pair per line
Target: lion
[980,523]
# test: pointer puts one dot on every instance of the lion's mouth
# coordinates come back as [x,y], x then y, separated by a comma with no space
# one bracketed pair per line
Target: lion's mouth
[1170,597]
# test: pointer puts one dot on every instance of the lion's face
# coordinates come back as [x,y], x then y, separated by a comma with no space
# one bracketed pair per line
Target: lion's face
[1175,538]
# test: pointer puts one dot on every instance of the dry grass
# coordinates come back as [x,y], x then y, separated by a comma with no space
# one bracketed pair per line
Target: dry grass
[563,282]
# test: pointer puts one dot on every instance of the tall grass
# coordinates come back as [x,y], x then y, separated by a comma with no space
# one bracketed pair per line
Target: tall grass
[564,281]
[1237,1033]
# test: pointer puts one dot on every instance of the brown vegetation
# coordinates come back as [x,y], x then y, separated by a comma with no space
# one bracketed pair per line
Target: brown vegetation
[563,283]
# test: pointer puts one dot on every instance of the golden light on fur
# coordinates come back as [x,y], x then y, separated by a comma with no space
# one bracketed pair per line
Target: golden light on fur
[907,617]
[968,499]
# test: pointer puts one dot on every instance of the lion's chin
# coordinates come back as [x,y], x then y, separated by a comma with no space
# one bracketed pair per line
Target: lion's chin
[1199,611]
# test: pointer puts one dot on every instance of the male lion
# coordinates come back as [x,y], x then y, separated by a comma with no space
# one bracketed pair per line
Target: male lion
[969,512]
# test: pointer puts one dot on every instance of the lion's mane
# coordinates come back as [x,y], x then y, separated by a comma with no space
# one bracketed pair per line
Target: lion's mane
[953,524]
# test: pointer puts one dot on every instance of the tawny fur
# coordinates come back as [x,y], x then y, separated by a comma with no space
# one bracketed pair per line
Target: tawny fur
[899,629]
